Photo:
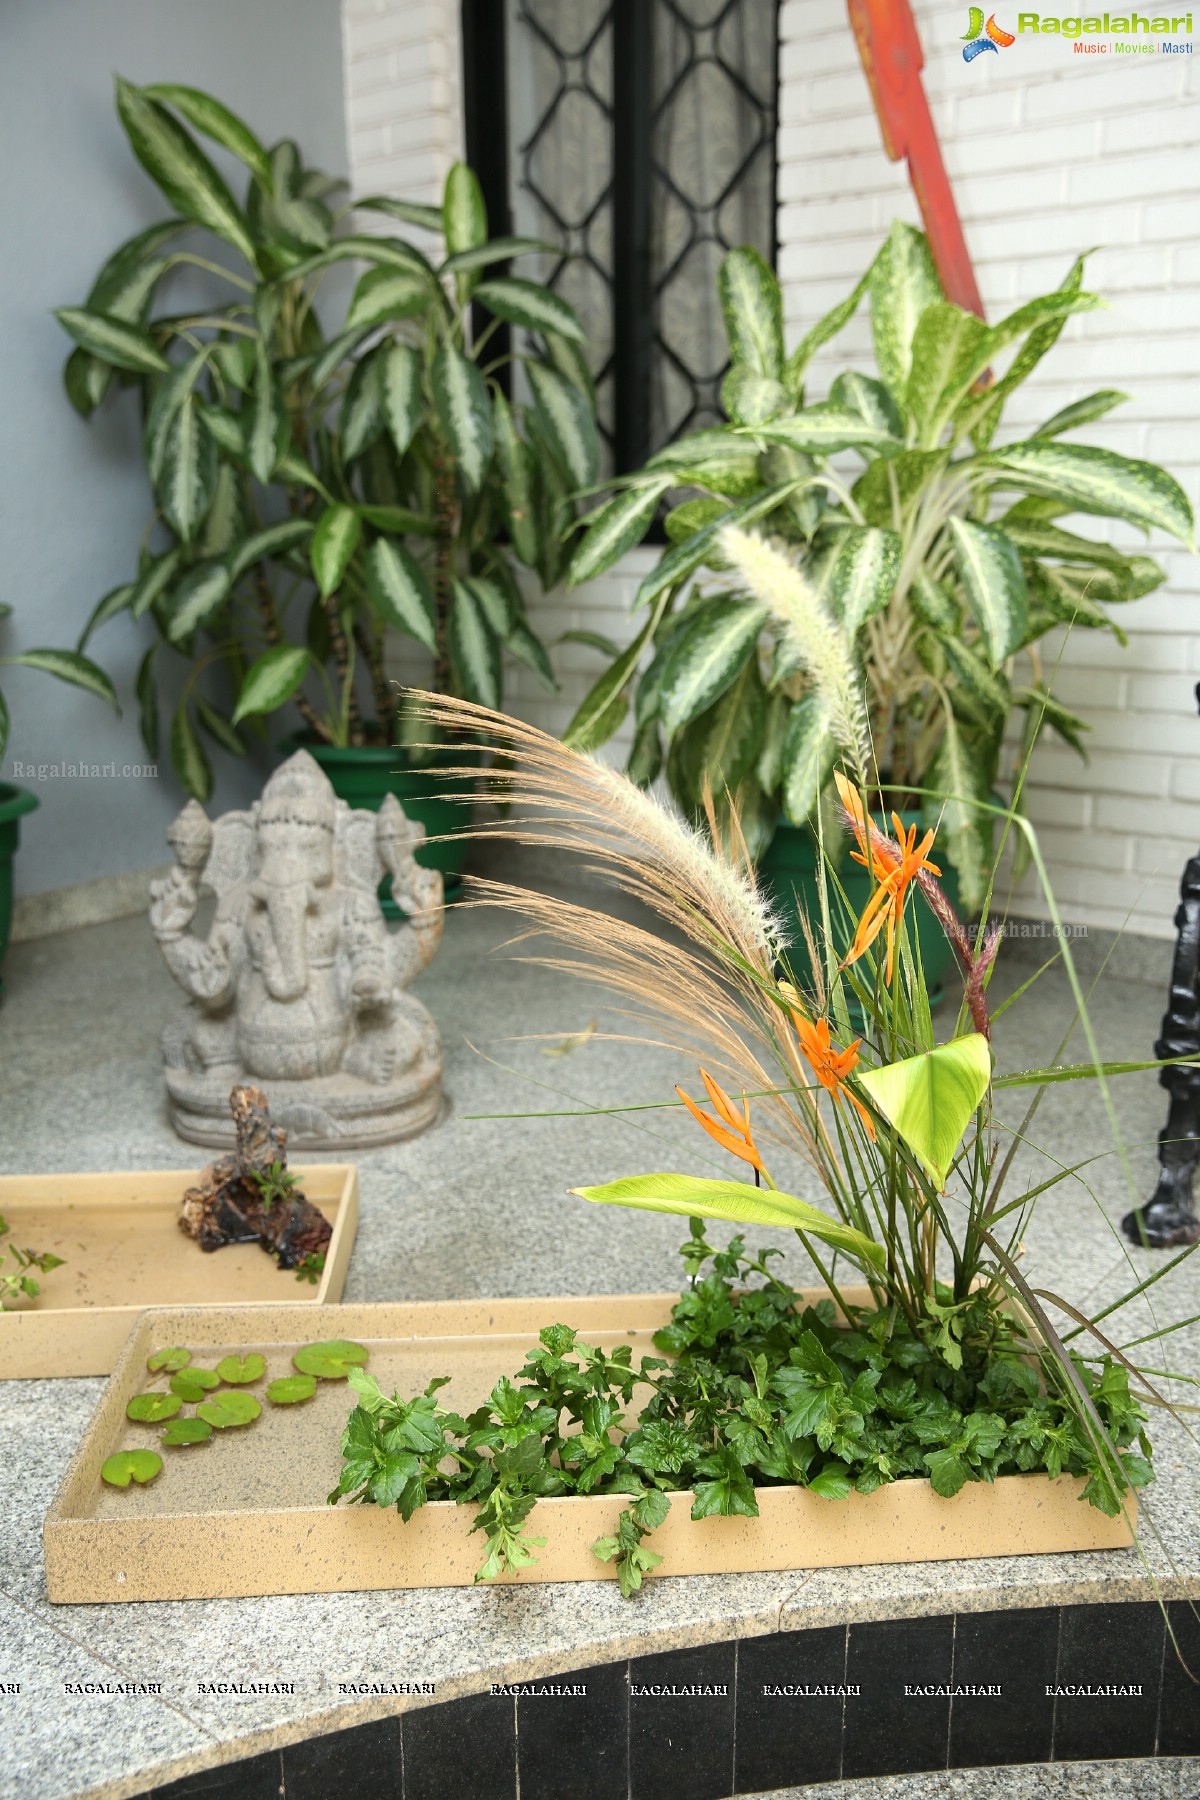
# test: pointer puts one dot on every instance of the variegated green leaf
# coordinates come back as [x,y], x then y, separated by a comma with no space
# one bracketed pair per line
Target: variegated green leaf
[493,600]
[807,757]
[750,398]
[267,434]
[1081,412]
[409,212]
[107,607]
[865,395]
[112,340]
[932,605]
[518,466]
[752,308]
[361,418]
[398,591]
[400,372]
[988,688]
[1097,481]
[383,253]
[981,416]
[604,707]
[218,726]
[931,1098]
[173,159]
[188,760]
[70,666]
[464,215]
[684,521]
[994,585]
[273,541]
[198,599]
[154,581]
[536,308]
[862,573]
[820,333]
[226,430]
[225,525]
[460,398]
[568,422]
[1038,537]
[707,657]
[958,779]
[272,680]
[730,733]
[215,121]
[529,649]
[334,542]
[946,351]
[386,294]
[825,428]
[684,559]
[497,250]
[189,472]
[616,528]
[903,282]
[886,488]
[474,650]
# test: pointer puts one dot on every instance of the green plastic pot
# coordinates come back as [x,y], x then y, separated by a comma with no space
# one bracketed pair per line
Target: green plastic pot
[15,802]
[364,775]
[788,871]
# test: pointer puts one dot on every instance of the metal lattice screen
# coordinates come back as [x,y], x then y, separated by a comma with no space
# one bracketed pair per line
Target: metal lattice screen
[642,136]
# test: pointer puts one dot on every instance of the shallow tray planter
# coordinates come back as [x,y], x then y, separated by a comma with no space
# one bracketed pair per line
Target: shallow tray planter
[122,1251]
[15,802]
[247,1515]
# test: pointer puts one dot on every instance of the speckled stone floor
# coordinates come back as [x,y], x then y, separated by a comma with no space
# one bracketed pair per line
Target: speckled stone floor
[479,1206]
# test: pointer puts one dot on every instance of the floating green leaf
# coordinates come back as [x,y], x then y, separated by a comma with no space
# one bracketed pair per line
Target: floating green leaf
[224,1411]
[290,1390]
[152,1409]
[331,1359]
[131,1465]
[238,1370]
[186,1431]
[192,1384]
[172,1358]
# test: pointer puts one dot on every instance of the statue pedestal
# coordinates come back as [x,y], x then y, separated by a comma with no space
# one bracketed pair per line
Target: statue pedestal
[330,1112]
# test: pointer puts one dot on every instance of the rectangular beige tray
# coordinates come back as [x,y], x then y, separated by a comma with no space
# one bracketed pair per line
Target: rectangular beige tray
[245,1513]
[123,1251]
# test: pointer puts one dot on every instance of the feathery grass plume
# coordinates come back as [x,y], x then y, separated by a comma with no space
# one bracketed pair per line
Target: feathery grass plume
[812,631]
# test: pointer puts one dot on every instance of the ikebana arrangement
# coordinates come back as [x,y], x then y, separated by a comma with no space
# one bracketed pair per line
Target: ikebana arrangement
[933,566]
[218,1399]
[932,1355]
[324,489]
[16,1281]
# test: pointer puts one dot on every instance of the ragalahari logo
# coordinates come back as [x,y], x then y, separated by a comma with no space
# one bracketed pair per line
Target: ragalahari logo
[984,37]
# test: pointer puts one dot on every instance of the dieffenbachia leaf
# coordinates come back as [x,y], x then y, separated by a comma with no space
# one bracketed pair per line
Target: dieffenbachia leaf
[692,1196]
[862,574]
[994,584]
[825,428]
[526,303]
[474,650]
[400,371]
[114,341]
[215,121]
[568,422]
[399,593]
[460,398]
[1090,480]
[903,282]
[806,758]
[752,308]
[272,679]
[931,1098]
[707,656]
[173,159]
[69,665]
[334,542]
[1081,412]
[616,528]
[464,215]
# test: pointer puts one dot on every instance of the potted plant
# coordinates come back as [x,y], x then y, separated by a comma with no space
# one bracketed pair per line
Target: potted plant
[16,801]
[323,492]
[927,1357]
[935,562]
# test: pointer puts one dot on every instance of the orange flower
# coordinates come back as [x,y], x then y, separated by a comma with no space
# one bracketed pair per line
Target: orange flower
[731,1128]
[830,1065]
[897,866]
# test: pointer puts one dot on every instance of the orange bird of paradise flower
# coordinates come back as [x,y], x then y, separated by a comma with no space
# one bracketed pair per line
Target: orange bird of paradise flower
[896,872]
[731,1128]
[830,1065]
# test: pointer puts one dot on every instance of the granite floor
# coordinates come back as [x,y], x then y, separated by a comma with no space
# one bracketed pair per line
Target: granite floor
[478,1206]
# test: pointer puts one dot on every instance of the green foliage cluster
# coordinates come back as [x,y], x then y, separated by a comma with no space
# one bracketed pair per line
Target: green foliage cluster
[326,475]
[753,1389]
[16,1283]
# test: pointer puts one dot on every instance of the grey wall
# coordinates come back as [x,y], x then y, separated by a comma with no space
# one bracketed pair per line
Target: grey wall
[73,493]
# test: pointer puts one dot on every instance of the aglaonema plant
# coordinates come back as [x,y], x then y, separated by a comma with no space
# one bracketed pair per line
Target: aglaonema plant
[935,548]
[933,1353]
[323,486]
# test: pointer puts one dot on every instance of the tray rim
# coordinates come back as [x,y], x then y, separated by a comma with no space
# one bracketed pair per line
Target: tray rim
[26,1333]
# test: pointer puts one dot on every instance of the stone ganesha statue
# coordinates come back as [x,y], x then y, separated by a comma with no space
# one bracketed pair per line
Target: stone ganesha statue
[299,985]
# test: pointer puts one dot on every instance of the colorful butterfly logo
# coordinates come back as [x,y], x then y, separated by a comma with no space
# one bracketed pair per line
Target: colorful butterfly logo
[996,37]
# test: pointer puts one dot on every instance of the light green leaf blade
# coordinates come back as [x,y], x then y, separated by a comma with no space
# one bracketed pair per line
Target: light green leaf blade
[334,542]
[752,399]
[70,666]
[409,212]
[568,422]
[113,340]
[218,728]
[274,541]
[464,215]
[272,680]
[529,649]
[684,559]
[1098,481]
[602,709]
[399,593]
[386,294]
[188,476]
[497,250]
[752,308]
[959,779]
[865,395]
[173,159]
[519,470]
[706,657]
[693,1196]
[268,421]
[188,760]
[903,282]
[862,574]
[930,1099]
[361,418]
[949,351]
[994,584]
[400,395]
[460,398]
[826,328]
[807,757]
[474,649]
[826,428]
[215,121]
[616,528]
[107,607]
[1081,412]
[536,308]
[198,599]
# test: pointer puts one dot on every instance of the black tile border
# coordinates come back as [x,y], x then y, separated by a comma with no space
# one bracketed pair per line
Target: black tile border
[1033,1684]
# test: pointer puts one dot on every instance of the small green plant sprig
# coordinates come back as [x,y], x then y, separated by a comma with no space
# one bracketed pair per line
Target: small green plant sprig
[16,1283]
[275,1183]
[754,1389]
[311,1267]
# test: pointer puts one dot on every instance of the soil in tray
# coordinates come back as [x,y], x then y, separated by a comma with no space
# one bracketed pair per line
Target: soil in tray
[114,1253]
[291,1455]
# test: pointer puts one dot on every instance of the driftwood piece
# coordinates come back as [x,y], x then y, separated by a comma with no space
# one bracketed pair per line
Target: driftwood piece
[244,1197]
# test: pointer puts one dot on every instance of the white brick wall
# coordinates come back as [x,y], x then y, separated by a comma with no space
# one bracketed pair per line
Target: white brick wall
[1049,153]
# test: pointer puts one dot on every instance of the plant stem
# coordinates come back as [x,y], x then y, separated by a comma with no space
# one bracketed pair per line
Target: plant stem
[371,646]
[343,661]
[446,517]
[274,636]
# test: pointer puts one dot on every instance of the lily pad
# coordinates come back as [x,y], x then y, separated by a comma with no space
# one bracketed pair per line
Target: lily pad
[237,1370]
[331,1360]
[192,1384]
[289,1390]
[187,1431]
[171,1358]
[152,1409]
[131,1465]
[226,1410]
